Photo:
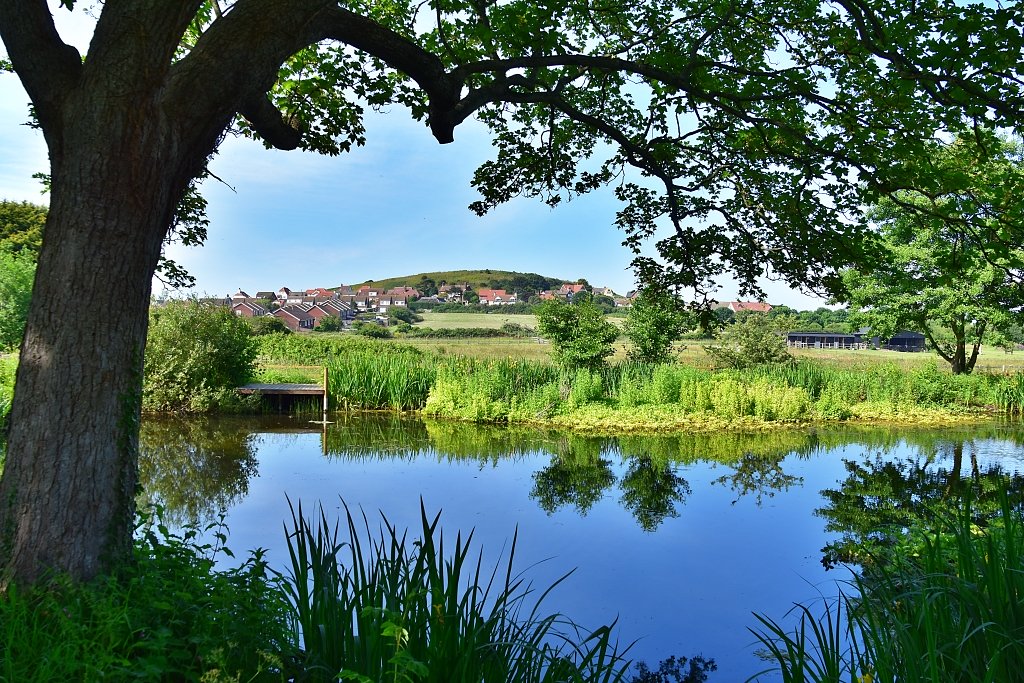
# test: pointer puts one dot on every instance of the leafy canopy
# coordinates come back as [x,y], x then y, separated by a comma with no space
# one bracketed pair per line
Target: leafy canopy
[952,268]
[21,226]
[750,132]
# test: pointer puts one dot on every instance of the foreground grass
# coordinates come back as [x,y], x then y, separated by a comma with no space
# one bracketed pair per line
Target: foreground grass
[946,608]
[373,606]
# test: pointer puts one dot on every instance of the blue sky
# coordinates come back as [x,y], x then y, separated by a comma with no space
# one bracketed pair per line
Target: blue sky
[397,206]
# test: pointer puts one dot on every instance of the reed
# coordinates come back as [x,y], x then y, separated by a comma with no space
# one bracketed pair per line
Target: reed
[369,379]
[949,607]
[388,375]
[384,607]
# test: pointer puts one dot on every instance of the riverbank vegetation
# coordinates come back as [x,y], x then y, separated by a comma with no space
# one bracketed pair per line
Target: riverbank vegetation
[377,605]
[630,395]
[943,605]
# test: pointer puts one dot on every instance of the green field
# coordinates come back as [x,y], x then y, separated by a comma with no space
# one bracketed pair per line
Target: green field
[489,320]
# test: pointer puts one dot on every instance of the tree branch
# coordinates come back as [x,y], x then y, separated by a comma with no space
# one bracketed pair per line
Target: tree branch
[236,61]
[47,66]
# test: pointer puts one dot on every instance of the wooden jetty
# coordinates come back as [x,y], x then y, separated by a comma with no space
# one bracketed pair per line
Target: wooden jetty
[288,390]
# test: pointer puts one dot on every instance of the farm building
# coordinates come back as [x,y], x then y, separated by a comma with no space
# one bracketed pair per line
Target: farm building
[903,341]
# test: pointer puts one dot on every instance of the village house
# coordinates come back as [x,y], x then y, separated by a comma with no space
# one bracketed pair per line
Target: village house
[295,318]
[248,309]
[751,306]
[453,293]
[410,293]
[567,291]
[386,301]
[496,297]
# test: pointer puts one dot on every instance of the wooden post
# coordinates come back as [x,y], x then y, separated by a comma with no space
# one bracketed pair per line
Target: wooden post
[325,393]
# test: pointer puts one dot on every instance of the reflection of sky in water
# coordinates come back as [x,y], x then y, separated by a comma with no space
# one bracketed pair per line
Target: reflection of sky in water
[687,588]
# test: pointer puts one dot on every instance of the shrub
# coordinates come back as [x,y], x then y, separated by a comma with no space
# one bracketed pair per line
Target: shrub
[752,340]
[579,333]
[17,272]
[170,615]
[372,330]
[267,324]
[655,321]
[329,323]
[196,356]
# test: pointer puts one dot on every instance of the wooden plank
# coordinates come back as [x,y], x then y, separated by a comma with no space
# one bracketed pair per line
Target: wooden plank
[283,389]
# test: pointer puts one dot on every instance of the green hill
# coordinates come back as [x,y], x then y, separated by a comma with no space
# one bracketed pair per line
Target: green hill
[523,283]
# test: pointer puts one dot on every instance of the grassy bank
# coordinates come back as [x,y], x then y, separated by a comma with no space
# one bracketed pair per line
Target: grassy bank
[363,605]
[946,606]
[629,396]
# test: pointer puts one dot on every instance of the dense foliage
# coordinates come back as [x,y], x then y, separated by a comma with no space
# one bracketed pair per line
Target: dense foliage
[169,614]
[17,273]
[196,356]
[655,321]
[21,227]
[753,339]
[578,332]
[950,269]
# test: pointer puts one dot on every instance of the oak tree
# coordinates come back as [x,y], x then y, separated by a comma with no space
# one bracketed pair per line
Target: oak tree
[952,270]
[736,127]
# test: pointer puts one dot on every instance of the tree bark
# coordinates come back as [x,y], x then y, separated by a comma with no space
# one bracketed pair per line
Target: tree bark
[68,487]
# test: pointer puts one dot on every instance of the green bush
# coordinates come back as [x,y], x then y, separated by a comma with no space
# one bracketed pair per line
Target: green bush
[579,333]
[196,356]
[170,615]
[752,340]
[17,273]
[267,324]
[656,320]
[372,330]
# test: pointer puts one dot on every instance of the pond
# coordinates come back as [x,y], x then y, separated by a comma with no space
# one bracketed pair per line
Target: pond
[681,538]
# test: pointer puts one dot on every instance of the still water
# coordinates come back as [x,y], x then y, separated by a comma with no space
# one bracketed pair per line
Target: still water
[679,538]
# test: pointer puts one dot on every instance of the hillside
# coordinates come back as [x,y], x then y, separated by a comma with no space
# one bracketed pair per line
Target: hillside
[491,279]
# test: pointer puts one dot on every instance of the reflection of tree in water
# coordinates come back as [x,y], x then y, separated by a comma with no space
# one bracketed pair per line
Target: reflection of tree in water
[883,500]
[761,476]
[577,476]
[194,468]
[650,491]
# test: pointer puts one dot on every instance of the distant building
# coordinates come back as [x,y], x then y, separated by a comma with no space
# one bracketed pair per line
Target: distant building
[902,341]
[496,297]
[752,306]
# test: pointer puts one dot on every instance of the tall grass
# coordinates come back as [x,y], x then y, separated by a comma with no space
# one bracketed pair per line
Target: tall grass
[386,375]
[383,607]
[367,378]
[951,608]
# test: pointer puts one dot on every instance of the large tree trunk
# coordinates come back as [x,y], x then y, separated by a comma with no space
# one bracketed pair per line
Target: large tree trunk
[70,475]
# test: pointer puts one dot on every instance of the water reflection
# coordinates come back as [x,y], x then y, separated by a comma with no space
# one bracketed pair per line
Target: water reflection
[887,495]
[681,536]
[196,467]
[577,476]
